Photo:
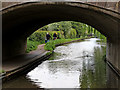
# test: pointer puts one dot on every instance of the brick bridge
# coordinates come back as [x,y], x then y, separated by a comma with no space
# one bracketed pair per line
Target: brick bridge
[21,19]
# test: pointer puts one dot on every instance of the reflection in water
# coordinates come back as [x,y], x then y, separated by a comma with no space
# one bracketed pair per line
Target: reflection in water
[76,65]
[94,72]
[17,83]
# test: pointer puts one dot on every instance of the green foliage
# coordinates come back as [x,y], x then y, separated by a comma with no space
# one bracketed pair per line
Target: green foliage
[92,78]
[103,38]
[2,71]
[43,28]
[50,46]
[71,33]
[31,45]
[82,30]
[78,27]
[49,53]
[99,35]
[39,36]
[65,30]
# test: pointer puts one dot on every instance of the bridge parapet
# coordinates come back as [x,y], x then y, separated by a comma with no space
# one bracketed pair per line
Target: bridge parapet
[112,5]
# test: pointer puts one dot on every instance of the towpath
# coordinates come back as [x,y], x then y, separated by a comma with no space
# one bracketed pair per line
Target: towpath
[22,60]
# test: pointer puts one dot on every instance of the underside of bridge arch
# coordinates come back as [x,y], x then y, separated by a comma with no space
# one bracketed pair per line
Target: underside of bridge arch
[20,21]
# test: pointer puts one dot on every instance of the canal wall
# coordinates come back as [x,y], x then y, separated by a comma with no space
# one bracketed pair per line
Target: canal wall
[113,55]
[13,48]
[113,80]
[21,70]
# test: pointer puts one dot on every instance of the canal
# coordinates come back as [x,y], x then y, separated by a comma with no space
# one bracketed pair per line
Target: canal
[75,65]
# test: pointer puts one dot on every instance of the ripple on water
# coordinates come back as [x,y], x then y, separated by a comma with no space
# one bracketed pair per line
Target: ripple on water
[70,66]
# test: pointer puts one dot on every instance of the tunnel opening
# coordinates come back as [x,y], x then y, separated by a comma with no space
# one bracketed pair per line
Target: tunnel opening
[64,30]
[64,61]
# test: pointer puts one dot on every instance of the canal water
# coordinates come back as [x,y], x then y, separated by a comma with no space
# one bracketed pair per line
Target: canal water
[75,65]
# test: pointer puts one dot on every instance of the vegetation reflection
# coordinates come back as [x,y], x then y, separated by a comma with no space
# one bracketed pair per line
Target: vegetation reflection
[94,74]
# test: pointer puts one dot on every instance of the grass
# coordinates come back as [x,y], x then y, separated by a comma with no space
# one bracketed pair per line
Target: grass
[2,71]
[49,53]
[50,46]
[31,45]
[102,41]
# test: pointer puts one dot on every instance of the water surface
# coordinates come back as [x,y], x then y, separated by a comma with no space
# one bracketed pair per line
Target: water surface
[76,65]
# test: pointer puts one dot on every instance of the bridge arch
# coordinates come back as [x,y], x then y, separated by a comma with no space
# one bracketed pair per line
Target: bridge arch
[20,21]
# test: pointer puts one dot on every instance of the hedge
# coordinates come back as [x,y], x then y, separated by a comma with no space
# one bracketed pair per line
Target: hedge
[39,36]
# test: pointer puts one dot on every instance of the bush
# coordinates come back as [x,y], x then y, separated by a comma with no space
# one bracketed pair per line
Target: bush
[71,33]
[50,46]
[31,45]
[39,36]
[2,71]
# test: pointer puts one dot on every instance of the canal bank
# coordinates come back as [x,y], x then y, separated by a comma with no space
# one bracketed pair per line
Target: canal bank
[22,64]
